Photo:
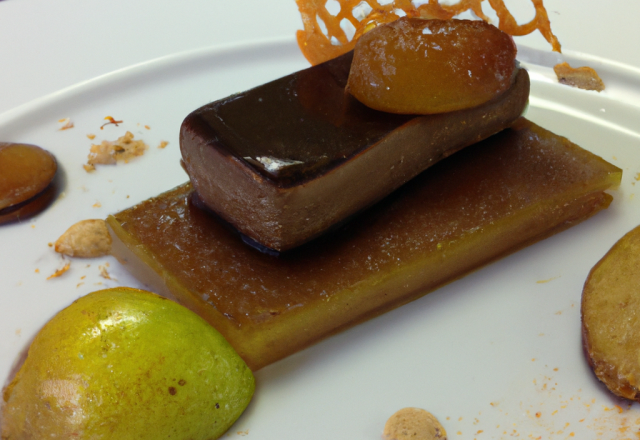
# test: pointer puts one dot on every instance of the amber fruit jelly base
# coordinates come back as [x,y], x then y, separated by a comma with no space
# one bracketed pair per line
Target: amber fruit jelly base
[479,205]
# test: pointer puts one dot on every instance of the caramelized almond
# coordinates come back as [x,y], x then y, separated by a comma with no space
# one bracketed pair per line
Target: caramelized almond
[416,66]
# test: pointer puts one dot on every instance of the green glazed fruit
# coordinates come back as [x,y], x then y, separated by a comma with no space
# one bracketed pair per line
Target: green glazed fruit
[126,364]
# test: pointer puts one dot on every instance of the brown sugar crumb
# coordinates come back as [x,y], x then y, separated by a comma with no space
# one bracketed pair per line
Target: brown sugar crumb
[414,424]
[85,239]
[582,77]
[66,124]
[163,144]
[59,272]
[111,152]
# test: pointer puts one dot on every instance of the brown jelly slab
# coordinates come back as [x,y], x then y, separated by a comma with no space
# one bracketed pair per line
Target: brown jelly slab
[476,206]
[288,160]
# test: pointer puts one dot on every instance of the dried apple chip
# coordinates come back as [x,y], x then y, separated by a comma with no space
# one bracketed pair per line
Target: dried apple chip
[610,324]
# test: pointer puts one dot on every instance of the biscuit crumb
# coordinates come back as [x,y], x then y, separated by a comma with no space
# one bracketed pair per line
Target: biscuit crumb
[111,152]
[85,239]
[59,272]
[163,144]
[65,124]
[582,77]
[91,136]
[104,273]
[414,424]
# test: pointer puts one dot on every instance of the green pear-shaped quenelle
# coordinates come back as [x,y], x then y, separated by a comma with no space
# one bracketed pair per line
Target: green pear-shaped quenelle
[126,364]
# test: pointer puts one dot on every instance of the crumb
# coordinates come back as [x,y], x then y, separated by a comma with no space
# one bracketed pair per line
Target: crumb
[111,121]
[97,205]
[37,270]
[415,424]
[147,127]
[66,124]
[104,273]
[85,239]
[60,272]
[547,281]
[582,77]
[91,136]
[163,144]
[111,152]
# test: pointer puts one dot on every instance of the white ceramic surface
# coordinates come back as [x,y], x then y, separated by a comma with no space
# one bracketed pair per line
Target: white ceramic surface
[498,351]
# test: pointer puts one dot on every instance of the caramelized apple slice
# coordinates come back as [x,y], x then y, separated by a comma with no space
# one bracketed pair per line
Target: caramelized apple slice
[610,325]
[416,66]
[26,174]
[480,204]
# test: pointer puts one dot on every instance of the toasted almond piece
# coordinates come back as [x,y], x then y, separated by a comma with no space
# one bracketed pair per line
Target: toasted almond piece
[611,317]
[413,424]
[85,239]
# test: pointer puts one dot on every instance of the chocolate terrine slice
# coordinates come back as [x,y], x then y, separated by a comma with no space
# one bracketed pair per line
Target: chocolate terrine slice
[286,161]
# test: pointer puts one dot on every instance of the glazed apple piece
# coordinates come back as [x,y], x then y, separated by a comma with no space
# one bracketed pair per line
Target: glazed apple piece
[26,176]
[478,205]
[416,66]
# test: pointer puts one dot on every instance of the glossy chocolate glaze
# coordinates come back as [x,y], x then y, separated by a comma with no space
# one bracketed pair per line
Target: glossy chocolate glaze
[307,118]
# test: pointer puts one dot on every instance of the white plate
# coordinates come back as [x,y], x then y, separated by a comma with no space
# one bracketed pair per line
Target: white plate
[495,354]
